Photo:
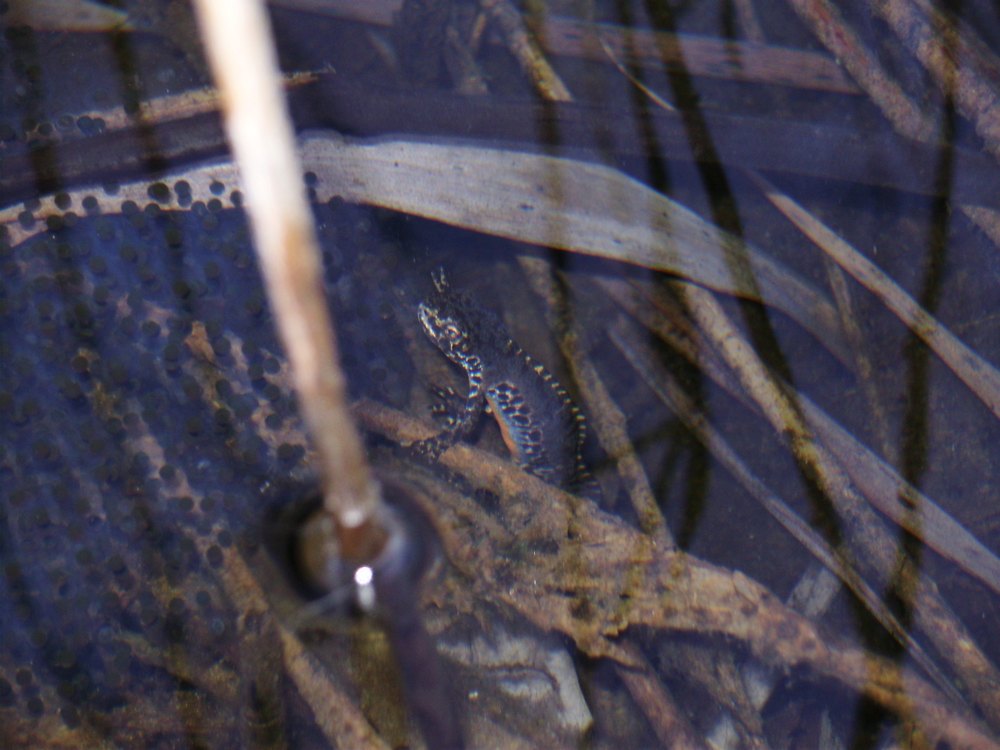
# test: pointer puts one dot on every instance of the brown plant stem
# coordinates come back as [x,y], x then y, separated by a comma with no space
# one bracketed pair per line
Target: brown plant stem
[641,357]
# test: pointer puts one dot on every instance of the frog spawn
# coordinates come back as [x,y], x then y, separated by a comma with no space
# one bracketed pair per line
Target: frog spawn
[103,381]
[148,404]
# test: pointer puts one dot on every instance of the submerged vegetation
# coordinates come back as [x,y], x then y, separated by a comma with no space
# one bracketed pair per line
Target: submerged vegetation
[755,242]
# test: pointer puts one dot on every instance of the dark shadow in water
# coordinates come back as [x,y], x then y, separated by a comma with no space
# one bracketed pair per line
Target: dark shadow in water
[25,47]
[725,215]
[658,177]
[130,77]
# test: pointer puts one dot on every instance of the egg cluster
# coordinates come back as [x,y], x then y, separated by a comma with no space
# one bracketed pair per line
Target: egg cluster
[146,404]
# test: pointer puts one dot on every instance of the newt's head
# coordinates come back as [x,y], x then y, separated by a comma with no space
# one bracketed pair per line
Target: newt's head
[458,326]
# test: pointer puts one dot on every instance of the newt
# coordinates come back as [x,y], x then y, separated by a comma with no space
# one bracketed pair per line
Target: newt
[541,426]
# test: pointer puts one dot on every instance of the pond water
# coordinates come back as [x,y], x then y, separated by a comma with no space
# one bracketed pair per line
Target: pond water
[153,462]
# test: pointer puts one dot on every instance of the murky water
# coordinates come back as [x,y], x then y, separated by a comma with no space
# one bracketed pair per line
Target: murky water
[151,447]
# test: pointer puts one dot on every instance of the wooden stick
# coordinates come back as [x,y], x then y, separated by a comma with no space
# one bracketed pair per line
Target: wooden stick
[238,39]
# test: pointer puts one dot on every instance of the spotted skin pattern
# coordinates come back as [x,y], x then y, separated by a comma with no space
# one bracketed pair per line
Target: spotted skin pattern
[540,425]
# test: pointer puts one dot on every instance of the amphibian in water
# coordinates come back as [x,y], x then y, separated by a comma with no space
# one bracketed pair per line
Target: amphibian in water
[540,424]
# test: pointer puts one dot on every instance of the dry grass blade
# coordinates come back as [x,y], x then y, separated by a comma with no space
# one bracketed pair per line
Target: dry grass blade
[565,204]
[826,22]
[863,368]
[874,549]
[875,478]
[180,106]
[641,357]
[607,419]
[731,59]
[610,424]
[524,47]
[883,486]
[978,374]
[338,717]
[969,83]
[700,56]
[869,539]
[964,67]
[669,723]
[880,483]
[542,200]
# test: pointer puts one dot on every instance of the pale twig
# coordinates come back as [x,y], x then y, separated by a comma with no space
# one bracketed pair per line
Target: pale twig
[242,56]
